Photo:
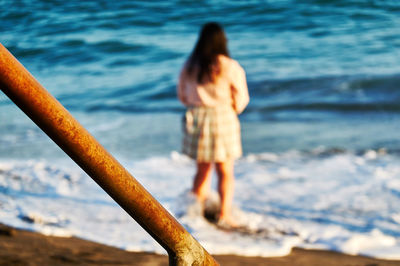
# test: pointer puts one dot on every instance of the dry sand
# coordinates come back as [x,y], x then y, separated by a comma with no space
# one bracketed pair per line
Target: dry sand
[19,247]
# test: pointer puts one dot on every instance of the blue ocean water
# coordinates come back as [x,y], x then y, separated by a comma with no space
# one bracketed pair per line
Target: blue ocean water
[324,113]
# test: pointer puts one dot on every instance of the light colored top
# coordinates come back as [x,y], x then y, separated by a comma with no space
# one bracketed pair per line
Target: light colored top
[229,87]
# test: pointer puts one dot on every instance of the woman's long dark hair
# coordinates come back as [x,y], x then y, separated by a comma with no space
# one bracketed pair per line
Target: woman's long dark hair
[211,43]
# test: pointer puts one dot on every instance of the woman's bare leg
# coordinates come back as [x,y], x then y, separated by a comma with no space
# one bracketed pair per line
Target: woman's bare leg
[226,184]
[202,181]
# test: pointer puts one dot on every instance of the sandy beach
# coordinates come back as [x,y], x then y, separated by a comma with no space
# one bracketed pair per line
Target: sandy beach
[20,247]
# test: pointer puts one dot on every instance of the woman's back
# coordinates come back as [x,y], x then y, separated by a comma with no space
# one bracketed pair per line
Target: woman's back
[228,86]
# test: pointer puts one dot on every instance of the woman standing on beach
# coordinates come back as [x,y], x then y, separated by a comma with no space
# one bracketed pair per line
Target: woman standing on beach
[213,88]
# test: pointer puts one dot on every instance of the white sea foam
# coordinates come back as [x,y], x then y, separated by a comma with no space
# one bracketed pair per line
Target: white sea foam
[340,201]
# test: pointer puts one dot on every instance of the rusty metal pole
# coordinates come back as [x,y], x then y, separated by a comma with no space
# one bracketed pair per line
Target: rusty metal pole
[26,92]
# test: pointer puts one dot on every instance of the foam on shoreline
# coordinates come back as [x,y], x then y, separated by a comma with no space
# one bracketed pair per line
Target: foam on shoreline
[340,201]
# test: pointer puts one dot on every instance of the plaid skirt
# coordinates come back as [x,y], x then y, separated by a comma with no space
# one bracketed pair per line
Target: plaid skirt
[211,134]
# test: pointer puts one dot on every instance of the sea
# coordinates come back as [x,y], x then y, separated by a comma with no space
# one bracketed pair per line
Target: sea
[321,162]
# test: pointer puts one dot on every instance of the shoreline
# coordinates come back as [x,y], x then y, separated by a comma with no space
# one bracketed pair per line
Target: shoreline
[21,247]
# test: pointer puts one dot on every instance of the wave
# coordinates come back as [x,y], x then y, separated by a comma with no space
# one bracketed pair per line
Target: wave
[337,107]
[326,94]
[329,94]
[269,99]
[85,47]
[326,198]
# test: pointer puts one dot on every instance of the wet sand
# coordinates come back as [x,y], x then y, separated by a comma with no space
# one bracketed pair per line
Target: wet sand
[19,247]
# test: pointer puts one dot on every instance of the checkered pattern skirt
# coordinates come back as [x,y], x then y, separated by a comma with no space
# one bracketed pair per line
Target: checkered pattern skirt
[211,134]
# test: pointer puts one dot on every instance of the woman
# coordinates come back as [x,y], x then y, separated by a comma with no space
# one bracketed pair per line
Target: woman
[213,88]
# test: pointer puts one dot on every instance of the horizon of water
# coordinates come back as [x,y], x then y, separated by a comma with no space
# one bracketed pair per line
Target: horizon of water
[320,141]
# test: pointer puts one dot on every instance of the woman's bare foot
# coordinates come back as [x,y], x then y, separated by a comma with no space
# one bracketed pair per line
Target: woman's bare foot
[227,222]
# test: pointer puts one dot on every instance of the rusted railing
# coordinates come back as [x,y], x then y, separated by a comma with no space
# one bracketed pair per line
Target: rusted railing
[26,92]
